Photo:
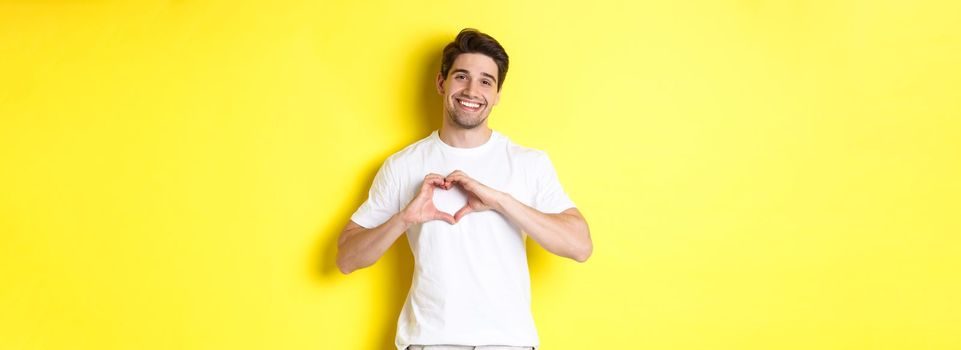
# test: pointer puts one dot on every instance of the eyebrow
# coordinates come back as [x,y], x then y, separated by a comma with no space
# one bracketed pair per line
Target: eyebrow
[482,73]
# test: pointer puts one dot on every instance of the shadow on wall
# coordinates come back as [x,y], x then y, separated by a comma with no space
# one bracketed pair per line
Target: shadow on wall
[398,258]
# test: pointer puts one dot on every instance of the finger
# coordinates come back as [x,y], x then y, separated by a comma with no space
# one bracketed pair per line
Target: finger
[455,178]
[427,190]
[464,181]
[453,174]
[444,183]
[432,180]
[435,181]
[446,217]
[439,215]
[463,211]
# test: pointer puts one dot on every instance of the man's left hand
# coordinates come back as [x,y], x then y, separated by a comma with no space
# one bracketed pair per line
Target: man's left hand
[479,196]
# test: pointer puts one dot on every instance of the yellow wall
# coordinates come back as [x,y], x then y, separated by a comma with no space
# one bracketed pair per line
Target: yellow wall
[756,174]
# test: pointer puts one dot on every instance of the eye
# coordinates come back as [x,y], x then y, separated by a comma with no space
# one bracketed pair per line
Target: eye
[487,82]
[460,77]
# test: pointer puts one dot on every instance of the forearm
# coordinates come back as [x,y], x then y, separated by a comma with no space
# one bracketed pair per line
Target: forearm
[364,247]
[563,234]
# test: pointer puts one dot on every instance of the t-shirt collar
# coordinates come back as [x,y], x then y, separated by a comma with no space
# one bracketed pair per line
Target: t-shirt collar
[465,151]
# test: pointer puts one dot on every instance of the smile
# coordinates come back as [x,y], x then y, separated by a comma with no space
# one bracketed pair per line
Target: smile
[469,105]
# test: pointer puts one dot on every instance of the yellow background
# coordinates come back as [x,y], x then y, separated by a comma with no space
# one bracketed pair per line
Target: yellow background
[756,174]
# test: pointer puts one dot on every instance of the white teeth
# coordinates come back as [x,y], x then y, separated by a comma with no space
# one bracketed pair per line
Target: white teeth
[471,105]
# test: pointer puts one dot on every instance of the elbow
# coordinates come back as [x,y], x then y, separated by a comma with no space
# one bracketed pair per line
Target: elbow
[586,247]
[344,266]
[583,253]
[348,264]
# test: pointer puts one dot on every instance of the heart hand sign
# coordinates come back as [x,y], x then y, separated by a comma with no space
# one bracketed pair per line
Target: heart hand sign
[449,200]
[440,196]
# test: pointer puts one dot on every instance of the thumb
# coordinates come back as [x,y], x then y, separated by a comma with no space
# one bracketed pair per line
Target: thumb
[444,216]
[463,211]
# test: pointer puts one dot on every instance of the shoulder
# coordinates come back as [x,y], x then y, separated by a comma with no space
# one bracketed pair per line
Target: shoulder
[526,155]
[412,154]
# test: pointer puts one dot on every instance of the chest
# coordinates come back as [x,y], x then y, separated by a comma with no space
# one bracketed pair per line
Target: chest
[497,170]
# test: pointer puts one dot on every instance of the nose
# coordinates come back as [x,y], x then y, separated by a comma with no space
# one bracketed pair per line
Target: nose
[469,90]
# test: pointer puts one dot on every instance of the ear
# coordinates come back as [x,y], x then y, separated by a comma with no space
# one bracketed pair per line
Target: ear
[439,84]
[497,98]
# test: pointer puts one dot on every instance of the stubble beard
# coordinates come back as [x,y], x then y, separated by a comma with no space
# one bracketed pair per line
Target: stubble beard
[464,121]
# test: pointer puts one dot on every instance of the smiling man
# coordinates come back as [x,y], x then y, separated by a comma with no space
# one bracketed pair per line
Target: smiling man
[471,286]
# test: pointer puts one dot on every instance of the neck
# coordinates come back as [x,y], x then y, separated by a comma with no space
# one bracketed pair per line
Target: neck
[464,138]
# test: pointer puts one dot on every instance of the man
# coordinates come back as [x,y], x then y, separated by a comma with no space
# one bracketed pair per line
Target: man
[471,286]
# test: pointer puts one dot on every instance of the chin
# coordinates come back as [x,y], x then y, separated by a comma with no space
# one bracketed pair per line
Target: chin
[471,124]
[465,122]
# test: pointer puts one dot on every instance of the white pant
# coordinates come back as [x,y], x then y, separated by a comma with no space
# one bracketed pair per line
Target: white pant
[463,347]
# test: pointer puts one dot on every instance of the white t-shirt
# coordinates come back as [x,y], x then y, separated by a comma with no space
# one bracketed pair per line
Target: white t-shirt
[471,284]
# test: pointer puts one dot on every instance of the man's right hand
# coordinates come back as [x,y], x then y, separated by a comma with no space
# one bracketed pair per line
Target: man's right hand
[421,209]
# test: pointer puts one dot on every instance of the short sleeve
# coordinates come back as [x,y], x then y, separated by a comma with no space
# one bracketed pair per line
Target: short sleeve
[382,200]
[550,197]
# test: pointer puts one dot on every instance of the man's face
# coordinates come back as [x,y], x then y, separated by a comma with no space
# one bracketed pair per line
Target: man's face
[469,90]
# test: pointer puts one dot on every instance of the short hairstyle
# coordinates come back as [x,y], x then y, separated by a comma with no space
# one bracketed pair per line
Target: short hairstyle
[470,40]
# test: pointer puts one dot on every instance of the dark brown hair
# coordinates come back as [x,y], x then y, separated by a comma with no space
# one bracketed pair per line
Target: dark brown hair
[471,40]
